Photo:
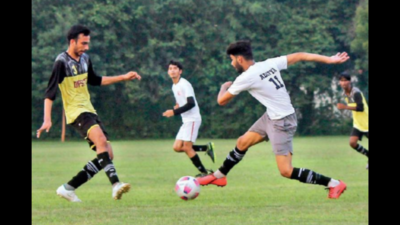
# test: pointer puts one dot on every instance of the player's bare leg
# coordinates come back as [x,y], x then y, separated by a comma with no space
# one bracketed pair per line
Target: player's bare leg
[102,149]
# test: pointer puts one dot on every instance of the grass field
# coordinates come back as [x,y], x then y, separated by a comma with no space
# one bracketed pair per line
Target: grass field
[255,194]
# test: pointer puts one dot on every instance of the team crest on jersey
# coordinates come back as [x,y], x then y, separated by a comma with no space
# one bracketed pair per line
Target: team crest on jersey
[80,83]
[74,70]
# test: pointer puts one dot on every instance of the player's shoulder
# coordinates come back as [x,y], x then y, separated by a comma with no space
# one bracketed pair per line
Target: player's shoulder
[184,81]
[275,58]
[257,68]
[247,75]
[85,57]
[63,57]
[355,90]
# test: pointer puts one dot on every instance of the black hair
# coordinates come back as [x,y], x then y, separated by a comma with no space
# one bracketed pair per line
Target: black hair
[346,75]
[75,30]
[242,48]
[178,64]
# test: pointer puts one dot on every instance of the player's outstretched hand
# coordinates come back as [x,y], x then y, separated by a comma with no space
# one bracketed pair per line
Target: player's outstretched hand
[45,126]
[339,58]
[132,75]
[168,113]
[341,106]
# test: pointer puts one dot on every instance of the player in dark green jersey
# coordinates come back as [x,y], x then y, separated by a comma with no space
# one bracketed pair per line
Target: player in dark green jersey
[72,71]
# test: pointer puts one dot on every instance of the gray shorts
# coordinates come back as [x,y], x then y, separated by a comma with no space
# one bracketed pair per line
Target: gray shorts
[280,132]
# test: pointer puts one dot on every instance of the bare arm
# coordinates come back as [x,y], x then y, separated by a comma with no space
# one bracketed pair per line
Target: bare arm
[359,104]
[48,103]
[114,79]
[343,106]
[304,56]
[224,96]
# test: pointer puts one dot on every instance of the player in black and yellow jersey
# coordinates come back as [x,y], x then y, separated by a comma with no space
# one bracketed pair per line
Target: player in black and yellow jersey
[358,105]
[72,71]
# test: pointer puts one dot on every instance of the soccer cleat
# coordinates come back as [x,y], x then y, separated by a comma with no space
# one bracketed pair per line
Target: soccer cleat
[211,179]
[204,174]
[119,189]
[335,192]
[210,151]
[69,195]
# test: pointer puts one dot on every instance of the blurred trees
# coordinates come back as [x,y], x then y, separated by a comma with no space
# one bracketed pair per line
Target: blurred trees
[359,45]
[143,35]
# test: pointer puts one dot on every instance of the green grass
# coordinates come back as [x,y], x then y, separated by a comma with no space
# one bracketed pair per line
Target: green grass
[255,194]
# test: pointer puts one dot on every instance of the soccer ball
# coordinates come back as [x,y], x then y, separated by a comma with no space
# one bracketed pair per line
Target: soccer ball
[187,188]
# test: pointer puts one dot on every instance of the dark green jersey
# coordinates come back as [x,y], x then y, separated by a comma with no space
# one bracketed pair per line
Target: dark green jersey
[72,77]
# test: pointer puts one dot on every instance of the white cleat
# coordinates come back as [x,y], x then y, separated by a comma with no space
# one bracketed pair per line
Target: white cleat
[69,195]
[119,189]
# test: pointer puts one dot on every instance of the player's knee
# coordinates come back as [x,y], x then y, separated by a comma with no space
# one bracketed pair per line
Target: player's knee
[185,148]
[285,172]
[177,148]
[353,144]
[242,143]
[239,142]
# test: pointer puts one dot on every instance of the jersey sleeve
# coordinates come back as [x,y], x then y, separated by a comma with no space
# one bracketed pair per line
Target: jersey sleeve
[188,106]
[57,76]
[358,100]
[240,84]
[93,78]
[280,62]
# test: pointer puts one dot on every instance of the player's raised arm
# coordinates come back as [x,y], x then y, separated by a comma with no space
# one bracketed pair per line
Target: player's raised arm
[114,79]
[311,57]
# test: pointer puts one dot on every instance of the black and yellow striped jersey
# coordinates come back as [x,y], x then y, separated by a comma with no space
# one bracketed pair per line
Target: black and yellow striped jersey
[360,115]
[72,77]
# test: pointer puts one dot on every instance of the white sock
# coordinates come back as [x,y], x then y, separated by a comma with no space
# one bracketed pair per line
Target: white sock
[333,183]
[218,174]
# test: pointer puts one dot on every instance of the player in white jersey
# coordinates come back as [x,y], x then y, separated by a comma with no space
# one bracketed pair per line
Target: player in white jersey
[278,124]
[186,106]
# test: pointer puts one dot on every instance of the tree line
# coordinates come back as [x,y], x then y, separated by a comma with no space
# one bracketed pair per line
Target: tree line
[144,35]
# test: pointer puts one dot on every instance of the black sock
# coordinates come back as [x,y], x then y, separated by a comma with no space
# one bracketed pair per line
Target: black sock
[88,171]
[108,166]
[197,163]
[200,148]
[359,148]
[308,176]
[233,158]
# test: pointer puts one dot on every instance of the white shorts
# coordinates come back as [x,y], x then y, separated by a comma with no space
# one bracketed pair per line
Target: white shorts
[189,131]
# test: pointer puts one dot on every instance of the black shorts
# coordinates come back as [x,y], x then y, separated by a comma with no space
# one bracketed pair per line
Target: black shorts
[358,133]
[84,122]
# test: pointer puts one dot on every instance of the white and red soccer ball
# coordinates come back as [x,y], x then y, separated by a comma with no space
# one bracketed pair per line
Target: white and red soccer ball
[187,188]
